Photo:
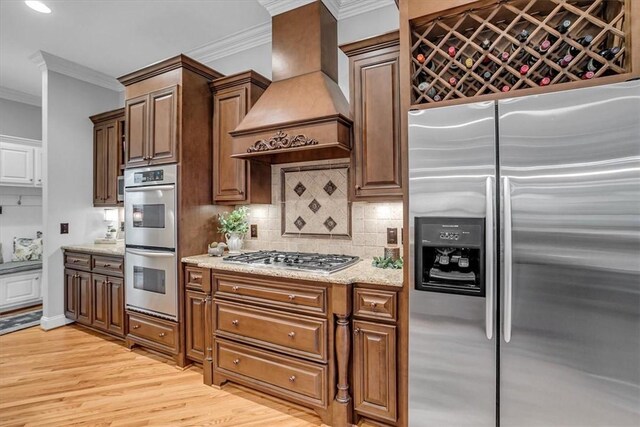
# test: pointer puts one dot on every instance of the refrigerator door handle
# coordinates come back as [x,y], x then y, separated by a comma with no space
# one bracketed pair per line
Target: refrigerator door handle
[489,250]
[508,259]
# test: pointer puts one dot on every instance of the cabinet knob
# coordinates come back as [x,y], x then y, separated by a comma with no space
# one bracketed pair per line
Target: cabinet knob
[76,261]
[358,188]
[235,288]
[30,179]
[373,304]
[292,378]
[292,297]
[135,326]
[356,331]
[235,322]
[292,334]
[109,282]
[39,180]
[236,361]
[104,282]
[161,334]
[107,265]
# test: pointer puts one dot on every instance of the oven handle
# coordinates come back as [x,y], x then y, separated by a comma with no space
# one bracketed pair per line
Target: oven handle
[150,188]
[151,254]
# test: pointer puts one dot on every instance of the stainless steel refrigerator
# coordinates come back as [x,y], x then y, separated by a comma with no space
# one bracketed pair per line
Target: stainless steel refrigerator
[525,260]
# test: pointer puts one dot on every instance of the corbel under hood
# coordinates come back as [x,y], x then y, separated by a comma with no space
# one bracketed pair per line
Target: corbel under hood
[303,115]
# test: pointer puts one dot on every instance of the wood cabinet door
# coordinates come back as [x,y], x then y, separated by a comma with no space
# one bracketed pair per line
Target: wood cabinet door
[230,175]
[136,130]
[70,297]
[195,327]
[376,152]
[115,304]
[374,370]
[99,165]
[83,297]
[112,163]
[163,126]
[99,301]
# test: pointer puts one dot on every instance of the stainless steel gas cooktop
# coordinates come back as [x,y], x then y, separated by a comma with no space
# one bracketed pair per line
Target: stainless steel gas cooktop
[320,263]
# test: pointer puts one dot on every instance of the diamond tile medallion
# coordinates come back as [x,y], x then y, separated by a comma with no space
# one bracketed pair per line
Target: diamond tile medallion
[314,201]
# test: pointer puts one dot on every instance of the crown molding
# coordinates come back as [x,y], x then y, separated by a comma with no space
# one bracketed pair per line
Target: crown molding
[49,62]
[232,44]
[19,140]
[341,9]
[18,96]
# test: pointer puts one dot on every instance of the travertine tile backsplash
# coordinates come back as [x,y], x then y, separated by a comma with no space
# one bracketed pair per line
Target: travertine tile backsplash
[369,222]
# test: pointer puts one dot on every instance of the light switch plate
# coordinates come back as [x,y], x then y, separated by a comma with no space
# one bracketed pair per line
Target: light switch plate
[392,236]
[64,228]
[254,231]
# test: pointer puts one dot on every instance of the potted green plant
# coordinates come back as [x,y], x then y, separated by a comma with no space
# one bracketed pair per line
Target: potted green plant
[234,226]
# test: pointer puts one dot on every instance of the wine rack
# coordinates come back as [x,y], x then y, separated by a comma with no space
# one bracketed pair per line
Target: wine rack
[511,45]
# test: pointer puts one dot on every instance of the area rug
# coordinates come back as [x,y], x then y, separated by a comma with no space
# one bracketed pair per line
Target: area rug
[19,321]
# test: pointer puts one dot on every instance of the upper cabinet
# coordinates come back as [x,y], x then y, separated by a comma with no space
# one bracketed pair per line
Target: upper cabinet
[163,104]
[236,180]
[375,107]
[108,155]
[20,162]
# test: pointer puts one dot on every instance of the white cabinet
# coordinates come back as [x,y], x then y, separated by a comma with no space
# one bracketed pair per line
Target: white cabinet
[20,162]
[20,289]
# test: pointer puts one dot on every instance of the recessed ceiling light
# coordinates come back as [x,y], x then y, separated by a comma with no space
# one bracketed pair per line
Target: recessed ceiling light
[38,6]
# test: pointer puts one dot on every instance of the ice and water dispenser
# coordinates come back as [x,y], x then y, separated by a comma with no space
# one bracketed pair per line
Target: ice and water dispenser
[450,255]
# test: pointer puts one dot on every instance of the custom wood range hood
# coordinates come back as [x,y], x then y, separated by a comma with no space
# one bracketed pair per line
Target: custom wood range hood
[303,114]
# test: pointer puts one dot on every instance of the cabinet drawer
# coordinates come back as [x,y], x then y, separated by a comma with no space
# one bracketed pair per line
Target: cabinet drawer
[299,298]
[160,333]
[77,260]
[286,332]
[193,278]
[113,266]
[374,304]
[288,374]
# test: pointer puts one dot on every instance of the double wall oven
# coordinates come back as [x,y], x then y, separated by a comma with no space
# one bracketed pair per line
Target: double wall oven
[151,264]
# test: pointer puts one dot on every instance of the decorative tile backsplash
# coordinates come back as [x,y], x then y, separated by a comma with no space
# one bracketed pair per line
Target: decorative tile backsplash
[369,221]
[315,201]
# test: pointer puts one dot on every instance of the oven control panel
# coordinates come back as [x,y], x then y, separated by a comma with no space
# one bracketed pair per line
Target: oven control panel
[148,176]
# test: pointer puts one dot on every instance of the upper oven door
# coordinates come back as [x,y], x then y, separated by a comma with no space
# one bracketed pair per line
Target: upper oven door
[150,216]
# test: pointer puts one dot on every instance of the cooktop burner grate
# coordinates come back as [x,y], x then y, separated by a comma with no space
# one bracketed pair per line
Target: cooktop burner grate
[321,263]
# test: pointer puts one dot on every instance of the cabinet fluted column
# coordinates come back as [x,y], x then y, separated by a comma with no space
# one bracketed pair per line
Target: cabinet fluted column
[343,405]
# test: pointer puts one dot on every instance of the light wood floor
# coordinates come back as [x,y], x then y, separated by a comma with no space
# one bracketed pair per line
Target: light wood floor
[70,377]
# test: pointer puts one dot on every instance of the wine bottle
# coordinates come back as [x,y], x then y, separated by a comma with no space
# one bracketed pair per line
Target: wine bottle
[522,38]
[486,76]
[486,44]
[587,75]
[593,65]
[431,93]
[545,81]
[469,63]
[452,51]
[543,47]
[610,53]
[505,88]
[583,41]
[423,86]
[565,61]
[532,60]
[453,81]
[524,70]
[504,56]
[424,81]
[562,28]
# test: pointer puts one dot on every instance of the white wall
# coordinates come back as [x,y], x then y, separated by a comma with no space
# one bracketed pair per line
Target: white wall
[22,220]
[351,29]
[18,119]
[68,189]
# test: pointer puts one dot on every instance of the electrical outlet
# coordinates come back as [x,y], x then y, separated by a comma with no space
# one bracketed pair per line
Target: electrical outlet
[64,228]
[392,236]
[254,231]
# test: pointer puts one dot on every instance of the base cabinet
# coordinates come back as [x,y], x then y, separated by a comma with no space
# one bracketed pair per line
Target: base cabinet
[94,299]
[195,325]
[374,370]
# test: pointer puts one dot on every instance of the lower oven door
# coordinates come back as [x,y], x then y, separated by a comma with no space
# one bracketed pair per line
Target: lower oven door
[151,282]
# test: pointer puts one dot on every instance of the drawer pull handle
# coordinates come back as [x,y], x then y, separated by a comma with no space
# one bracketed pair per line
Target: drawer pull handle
[235,322]
[292,334]
[292,297]
[374,305]
[236,361]
[235,289]
[107,265]
[135,326]
[76,261]
[292,378]
[356,331]
[161,334]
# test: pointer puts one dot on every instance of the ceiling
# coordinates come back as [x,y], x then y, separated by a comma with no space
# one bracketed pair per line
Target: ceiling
[115,36]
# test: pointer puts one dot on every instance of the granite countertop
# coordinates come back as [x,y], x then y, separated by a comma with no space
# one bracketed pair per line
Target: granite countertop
[361,272]
[100,249]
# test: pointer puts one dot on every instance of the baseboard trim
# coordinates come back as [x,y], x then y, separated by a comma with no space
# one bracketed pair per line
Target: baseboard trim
[48,323]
